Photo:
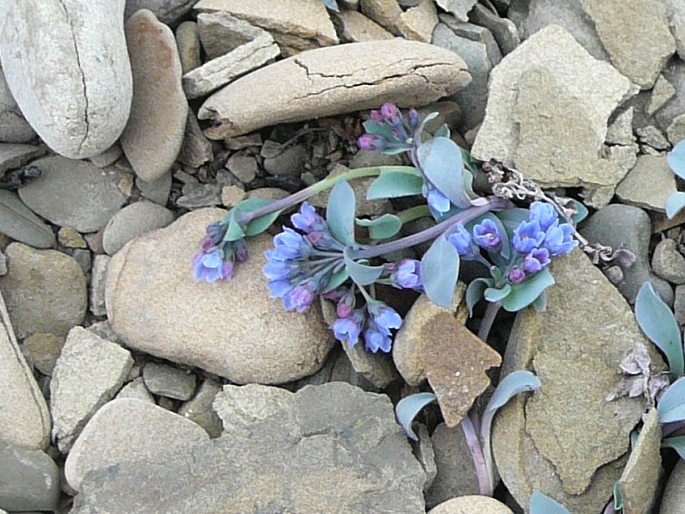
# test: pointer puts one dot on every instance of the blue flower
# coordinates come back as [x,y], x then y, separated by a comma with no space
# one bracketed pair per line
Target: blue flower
[527,236]
[210,266]
[289,245]
[407,274]
[437,201]
[516,275]
[461,239]
[559,239]
[279,288]
[536,260]
[487,235]
[349,328]
[299,297]
[377,333]
[280,270]
[544,214]
[376,340]
[307,220]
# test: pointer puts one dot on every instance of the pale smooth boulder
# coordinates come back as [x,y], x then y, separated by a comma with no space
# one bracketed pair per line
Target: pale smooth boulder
[53,56]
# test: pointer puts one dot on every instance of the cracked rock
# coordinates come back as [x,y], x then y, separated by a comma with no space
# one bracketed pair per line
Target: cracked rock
[85,114]
[335,80]
[154,132]
[334,448]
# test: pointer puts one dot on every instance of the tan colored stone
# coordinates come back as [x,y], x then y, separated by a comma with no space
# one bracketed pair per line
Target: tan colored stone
[471,505]
[330,81]
[418,22]
[43,351]
[154,133]
[384,12]
[648,184]
[70,238]
[663,91]
[232,196]
[189,48]
[357,28]
[24,416]
[232,329]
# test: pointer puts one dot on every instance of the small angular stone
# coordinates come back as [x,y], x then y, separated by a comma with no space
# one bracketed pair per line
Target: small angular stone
[165,380]
[357,28]
[244,167]
[97,285]
[20,223]
[13,156]
[189,48]
[459,8]
[648,184]
[418,22]
[70,238]
[221,33]
[504,30]
[136,389]
[241,408]
[661,94]
[132,221]
[668,262]
[200,408]
[471,505]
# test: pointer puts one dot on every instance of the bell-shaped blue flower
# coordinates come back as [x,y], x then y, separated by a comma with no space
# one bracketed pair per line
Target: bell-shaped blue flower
[537,259]
[407,275]
[544,213]
[461,239]
[527,236]
[487,235]
[559,239]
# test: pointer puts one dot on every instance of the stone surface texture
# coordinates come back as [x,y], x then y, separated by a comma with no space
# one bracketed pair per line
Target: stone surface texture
[154,132]
[13,126]
[674,494]
[24,416]
[220,33]
[132,221]
[167,11]
[20,224]
[242,408]
[648,184]
[30,479]
[89,372]
[230,328]
[471,505]
[51,53]
[357,28]
[45,290]
[575,349]
[335,449]
[329,81]
[126,430]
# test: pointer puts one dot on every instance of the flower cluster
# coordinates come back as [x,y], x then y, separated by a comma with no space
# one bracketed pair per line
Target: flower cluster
[535,241]
[375,321]
[387,129]
[215,261]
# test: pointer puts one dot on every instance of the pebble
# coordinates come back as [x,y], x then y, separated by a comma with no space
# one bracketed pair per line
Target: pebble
[330,81]
[108,157]
[679,304]
[24,415]
[620,131]
[171,316]
[14,156]
[196,149]
[224,69]
[648,184]
[384,12]
[168,11]
[196,196]
[97,285]
[154,133]
[200,409]
[30,479]
[232,196]
[156,191]
[471,505]
[89,372]
[132,221]
[242,408]
[268,193]
[86,113]
[417,23]
[45,290]
[244,167]
[357,28]
[70,238]
[165,380]
[136,389]
[502,29]
[668,262]
[222,33]
[653,137]
[73,193]
[20,224]
[43,351]
[661,94]
[3,265]
[13,127]
[459,8]
[189,47]
[288,161]
[125,430]
[674,72]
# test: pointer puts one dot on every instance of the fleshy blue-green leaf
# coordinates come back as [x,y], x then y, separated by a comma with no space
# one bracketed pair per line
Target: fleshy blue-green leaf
[394,184]
[439,272]
[512,218]
[476,290]
[618,496]
[332,5]
[674,204]
[581,212]
[234,232]
[443,131]
[659,324]
[676,159]
[543,504]
[379,129]
[496,295]
[361,273]
[336,279]
[671,405]
[441,161]
[407,409]
[677,443]
[383,227]
[340,212]
[525,293]
[540,303]
[258,225]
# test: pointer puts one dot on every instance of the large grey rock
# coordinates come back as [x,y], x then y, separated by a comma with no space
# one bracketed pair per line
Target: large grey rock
[242,408]
[335,449]
[89,372]
[73,193]
[625,226]
[295,24]
[232,329]
[674,494]
[154,132]
[24,416]
[125,430]
[52,56]
[329,81]
[226,68]
[575,348]
[13,126]
[168,11]
[45,290]
[132,221]
[30,479]
[620,24]
[20,224]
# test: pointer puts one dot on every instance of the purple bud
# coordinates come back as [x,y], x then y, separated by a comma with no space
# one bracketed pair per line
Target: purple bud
[215,233]
[517,275]
[240,249]
[345,306]
[408,274]
[206,244]
[461,239]
[536,260]
[371,142]
[300,298]
[376,116]
[391,114]
[413,117]
[227,270]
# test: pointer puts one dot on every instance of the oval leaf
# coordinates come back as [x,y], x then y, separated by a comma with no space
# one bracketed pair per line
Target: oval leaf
[493,295]
[659,324]
[439,272]
[340,212]
[677,443]
[234,232]
[336,279]
[332,5]
[671,406]
[475,292]
[395,184]
[674,204]
[512,218]
[676,159]
[581,211]
[543,504]
[382,228]
[525,293]
[381,129]
[361,273]
[407,409]
[514,383]
[441,162]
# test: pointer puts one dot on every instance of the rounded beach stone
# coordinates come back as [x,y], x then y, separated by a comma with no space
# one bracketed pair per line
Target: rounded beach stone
[471,505]
[134,220]
[232,329]
[52,56]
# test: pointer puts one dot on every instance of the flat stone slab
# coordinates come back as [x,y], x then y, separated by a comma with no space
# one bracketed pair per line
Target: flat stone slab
[19,223]
[335,80]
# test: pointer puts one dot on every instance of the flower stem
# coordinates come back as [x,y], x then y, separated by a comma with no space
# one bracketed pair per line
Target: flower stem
[488,318]
[484,477]
[322,185]
[414,213]
[492,203]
